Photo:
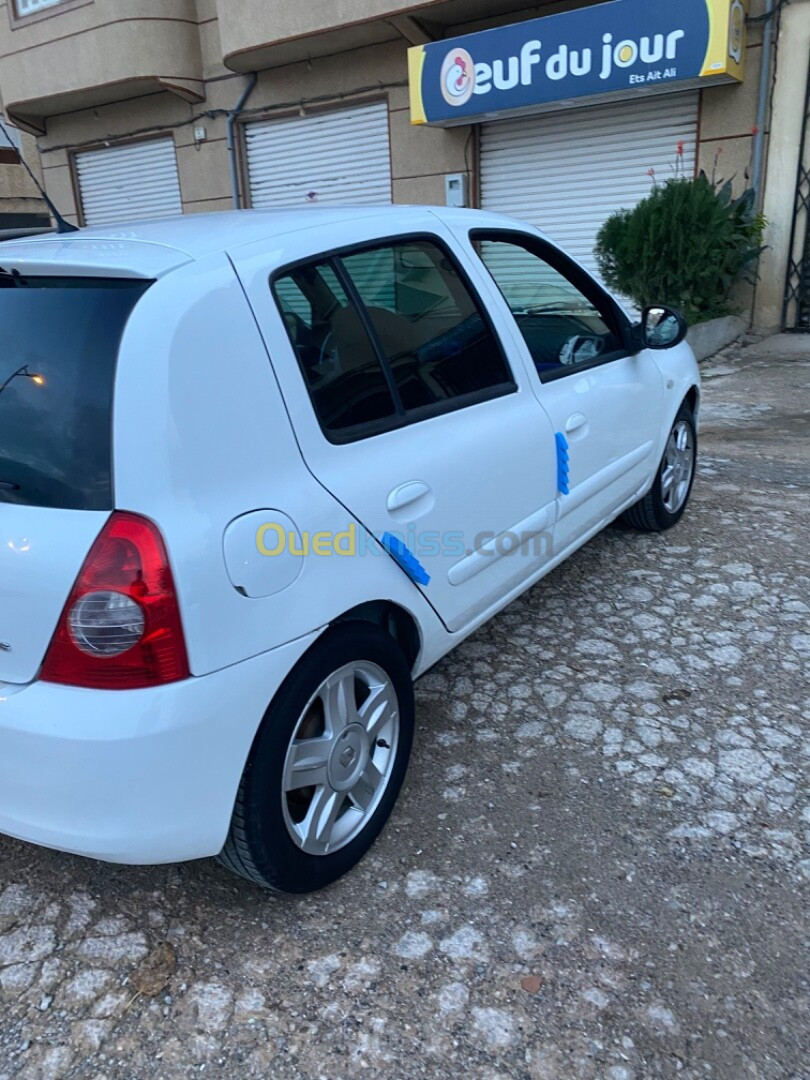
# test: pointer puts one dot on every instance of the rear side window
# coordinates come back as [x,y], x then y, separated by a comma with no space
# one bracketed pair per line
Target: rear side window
[387,335]
[427,324]
[59,344]
[346,381]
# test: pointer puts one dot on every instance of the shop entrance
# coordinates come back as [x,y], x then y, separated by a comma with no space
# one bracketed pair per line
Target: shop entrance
[566,172]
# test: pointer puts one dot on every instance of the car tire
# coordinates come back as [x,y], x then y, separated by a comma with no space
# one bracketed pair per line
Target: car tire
[327,764]
[665,503]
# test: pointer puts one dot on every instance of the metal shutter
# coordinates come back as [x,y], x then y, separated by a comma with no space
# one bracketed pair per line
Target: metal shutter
[124,183]
[340,156]
[567,172]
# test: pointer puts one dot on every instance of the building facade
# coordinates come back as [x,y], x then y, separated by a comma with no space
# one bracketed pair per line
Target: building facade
[557,113]
[21,205]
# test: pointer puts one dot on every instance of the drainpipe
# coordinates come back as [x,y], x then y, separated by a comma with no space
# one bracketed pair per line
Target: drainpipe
[764,95]
[233,116]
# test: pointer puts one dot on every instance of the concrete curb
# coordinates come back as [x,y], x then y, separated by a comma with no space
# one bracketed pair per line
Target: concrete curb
[710,337]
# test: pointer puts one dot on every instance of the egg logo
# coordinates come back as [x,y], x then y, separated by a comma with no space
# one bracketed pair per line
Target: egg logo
[737,33]
[458,77]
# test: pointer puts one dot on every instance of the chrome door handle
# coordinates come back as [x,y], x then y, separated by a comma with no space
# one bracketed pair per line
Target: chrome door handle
[575,422]
[406,494]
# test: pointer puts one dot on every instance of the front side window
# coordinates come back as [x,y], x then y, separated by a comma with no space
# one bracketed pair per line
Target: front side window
[400,325]
[563,328]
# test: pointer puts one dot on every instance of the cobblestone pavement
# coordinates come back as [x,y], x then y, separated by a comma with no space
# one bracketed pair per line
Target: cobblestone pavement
[599,867]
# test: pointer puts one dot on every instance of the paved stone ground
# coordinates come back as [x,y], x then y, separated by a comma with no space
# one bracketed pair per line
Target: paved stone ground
[599,867]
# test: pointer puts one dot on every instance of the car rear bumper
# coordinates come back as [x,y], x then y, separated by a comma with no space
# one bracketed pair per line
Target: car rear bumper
[133,776]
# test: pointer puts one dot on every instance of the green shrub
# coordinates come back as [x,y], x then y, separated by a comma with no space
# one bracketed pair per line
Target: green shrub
[688,244]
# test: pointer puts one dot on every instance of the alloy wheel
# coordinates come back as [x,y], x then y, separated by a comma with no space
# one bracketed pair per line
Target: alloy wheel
[340,759]
[679,465]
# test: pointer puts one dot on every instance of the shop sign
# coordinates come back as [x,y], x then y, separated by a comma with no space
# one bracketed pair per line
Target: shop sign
[620,48]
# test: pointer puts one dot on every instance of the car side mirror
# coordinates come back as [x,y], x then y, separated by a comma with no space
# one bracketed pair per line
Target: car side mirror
[662,328]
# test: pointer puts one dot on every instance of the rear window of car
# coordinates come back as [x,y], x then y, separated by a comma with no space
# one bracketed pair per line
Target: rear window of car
[59,340]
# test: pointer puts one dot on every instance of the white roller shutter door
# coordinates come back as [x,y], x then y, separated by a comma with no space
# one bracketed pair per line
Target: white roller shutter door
[339,156]
[567,172]
[125,183]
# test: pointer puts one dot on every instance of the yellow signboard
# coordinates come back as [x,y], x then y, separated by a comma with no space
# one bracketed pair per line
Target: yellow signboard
[726,52]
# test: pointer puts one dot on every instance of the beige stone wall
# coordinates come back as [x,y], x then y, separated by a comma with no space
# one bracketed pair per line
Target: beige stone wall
[419,157]
[729,114]
[115,123]
[59,61]
[783,159]
[18,193]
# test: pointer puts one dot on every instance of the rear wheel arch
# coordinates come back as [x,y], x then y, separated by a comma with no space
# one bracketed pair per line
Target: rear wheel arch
[261,845]
[385,615]
[394,620]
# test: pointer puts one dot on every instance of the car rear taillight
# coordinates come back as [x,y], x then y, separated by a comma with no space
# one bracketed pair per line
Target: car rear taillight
[120,628]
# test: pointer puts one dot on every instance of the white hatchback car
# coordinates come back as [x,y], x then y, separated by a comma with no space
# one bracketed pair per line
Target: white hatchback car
[258,471]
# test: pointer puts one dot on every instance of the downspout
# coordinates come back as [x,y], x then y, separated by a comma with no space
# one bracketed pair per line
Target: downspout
[769,19]
[233,116]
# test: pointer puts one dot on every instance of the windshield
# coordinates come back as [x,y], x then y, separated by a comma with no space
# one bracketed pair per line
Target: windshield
[59,340]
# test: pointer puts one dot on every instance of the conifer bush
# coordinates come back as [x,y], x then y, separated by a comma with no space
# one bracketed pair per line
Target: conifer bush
[687,245]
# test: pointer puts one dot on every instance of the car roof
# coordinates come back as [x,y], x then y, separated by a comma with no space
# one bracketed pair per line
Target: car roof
[155,247]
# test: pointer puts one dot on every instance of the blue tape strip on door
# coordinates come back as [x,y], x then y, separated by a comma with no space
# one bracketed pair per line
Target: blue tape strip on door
[405,559]
[563,464]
